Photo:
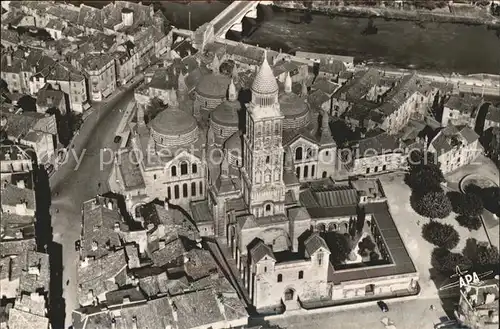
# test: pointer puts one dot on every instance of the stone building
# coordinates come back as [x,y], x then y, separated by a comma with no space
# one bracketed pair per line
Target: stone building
[237,171]
[461,110]
[455,146]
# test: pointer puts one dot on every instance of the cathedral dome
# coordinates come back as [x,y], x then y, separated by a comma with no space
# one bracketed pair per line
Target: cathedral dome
[292,105]
[226,113]
[174,127]
[265,82]
[213,86]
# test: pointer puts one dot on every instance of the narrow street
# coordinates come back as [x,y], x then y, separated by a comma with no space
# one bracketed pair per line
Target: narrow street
[72,185]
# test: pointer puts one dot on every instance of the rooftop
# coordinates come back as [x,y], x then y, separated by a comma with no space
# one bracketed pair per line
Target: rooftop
[102,227]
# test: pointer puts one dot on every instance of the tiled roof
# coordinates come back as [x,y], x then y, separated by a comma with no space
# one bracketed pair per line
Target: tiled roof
[44,94]
[260,250]
[99,275]
[197,309]
[358,87]
[13,224]
[172,251]
[317,98]
[452,136]
[403,89]
[20,124]
[35,273]
[23,320]
[12,195]
[90,17]
[133,294]
[130,171]
[313,243]
[55,24]
[16,247]
[63,12]
[464,104]
[377,145]
[201,212]
[200,264]
[100,226]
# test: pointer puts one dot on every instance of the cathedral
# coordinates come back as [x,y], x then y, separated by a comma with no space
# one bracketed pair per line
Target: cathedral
[237,170]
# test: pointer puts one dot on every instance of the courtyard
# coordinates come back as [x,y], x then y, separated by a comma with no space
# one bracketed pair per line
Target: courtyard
[409,225]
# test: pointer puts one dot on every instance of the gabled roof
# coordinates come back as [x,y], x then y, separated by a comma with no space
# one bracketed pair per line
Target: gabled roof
[298,214]
[261,250]
[314,243]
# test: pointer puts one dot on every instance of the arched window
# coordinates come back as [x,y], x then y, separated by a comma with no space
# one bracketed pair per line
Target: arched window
[268,159]
[297,172]
[276,128]
[324,174]
[306,171]
[280,277]
[309,153]
[194,168]
[313,169]
[169,193]
[184,168]
[176,191]
[301,275]
[193,189]
[268,207]
[173,171]
[201,188]
[298,153]
[184,190]
[154,177]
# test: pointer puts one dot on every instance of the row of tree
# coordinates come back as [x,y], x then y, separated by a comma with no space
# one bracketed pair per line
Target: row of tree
[477,255]
[424,178]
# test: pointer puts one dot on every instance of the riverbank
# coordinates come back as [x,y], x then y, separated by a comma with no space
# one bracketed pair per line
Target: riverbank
[418,15]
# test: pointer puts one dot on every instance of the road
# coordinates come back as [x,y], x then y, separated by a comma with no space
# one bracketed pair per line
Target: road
[75,184]
[405,315]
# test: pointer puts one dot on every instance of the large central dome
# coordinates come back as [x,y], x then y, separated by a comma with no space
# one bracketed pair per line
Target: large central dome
[265,82]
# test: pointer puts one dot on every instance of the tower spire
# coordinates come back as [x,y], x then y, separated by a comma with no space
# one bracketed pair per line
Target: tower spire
[173,99]
[326,134]
[231,92]
[288,83]
[215,65]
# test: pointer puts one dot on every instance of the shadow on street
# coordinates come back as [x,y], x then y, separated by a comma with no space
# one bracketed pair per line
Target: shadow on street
[56,303]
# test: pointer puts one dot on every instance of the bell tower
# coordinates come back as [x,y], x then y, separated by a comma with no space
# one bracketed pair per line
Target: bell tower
[263,186]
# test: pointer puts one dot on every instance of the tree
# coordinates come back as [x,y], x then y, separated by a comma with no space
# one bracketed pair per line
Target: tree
[424,174]
[339,246]
[468,204]
[432,205]
[481,253]
[445,261]
[441,235]
[472,223]
[366,245]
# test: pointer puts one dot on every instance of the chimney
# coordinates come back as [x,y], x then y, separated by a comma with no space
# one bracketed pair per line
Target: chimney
[94,245]
[110,205]
[21,184]
[34,270]
[126,299]
[161,244]
[9,59]
[113,323]
[198,243]
[7,156]
[117,227]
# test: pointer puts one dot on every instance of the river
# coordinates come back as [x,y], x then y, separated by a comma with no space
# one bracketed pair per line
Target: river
[442,47]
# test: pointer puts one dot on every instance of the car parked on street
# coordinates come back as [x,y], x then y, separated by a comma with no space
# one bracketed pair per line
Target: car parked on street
[383,306]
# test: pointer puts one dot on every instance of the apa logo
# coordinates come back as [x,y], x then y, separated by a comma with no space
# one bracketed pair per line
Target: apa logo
[467,279]
[464,279]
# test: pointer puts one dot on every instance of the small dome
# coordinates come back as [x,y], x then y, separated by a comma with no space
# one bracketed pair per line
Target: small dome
[213,86]
[226,113]
[173,122]
[265,82]
[292,105]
